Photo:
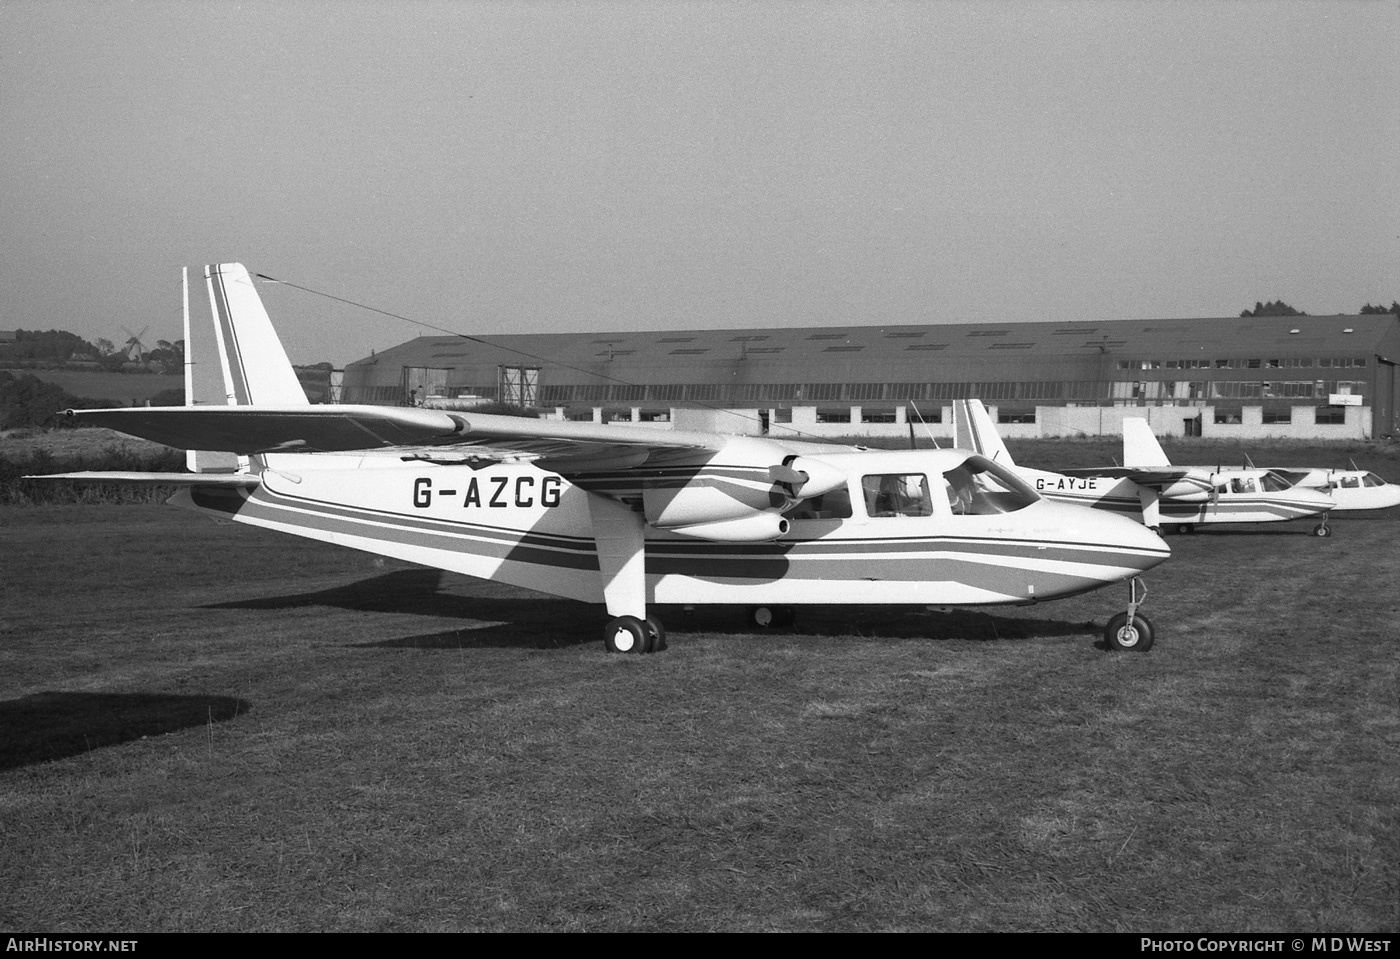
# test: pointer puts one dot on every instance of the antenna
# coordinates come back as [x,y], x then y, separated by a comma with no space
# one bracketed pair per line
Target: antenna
[932,439]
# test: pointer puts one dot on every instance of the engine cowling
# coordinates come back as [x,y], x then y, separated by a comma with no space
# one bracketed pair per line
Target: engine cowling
[758,528]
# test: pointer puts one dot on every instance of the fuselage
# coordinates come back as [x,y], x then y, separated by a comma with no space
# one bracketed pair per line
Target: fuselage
[916,527]
[1351,489]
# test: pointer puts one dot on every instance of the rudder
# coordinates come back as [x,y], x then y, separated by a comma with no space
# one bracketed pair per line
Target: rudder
[255,366]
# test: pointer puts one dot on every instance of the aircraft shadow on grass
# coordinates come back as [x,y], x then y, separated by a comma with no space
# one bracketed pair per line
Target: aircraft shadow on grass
[496,616]
[51,725]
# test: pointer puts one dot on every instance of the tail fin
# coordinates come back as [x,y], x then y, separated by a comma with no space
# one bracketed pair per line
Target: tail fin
[973,429]
[256,369]
[1140,447]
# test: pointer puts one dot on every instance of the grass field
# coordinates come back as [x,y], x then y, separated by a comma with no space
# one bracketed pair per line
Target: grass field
[210,727]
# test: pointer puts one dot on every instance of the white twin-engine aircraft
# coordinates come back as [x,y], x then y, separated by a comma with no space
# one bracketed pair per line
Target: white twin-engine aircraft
[1148,488]
[1352,489]
[623,515]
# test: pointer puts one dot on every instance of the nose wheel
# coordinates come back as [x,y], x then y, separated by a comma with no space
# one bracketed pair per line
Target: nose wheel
[1130,631]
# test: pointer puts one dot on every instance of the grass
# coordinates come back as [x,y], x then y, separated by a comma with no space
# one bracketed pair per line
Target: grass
[209,727]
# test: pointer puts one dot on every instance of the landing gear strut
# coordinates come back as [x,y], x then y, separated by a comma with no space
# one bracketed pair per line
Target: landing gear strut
[1322,529]
[1129,631]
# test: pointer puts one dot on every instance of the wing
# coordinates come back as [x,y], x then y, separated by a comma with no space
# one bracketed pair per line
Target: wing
[1172,482]
[435,435]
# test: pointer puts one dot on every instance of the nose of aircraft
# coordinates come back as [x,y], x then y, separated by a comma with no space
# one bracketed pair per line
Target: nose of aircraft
[1129,544]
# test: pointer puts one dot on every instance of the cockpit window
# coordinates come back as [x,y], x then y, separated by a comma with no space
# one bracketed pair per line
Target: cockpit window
[1243,484]
[1274,483]
[1371,479]
[1350,482]
[980,487]
[897,494]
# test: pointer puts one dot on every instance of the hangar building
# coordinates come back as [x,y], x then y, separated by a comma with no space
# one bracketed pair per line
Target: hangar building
[1292,376]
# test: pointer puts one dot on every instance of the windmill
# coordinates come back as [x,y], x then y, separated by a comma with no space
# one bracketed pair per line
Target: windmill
[134,348]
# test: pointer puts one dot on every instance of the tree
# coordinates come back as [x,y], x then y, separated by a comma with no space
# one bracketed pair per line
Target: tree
[1394,307]
[1277,308]
[26,400]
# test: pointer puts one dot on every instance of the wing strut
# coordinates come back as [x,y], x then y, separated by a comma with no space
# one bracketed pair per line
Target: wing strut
[619,533]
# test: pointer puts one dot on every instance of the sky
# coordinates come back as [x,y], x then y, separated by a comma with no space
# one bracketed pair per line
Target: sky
[490,167]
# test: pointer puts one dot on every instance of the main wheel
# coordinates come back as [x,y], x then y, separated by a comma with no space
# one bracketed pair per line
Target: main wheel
[627,634]
[1125,637]
[1322,529]
[656,635]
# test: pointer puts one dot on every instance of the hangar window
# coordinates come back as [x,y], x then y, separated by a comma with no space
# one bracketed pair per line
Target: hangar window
[990,333]
[1278,414]
[827,336]
[836,415]
[689,352]
[906,334]
[1226,417]
[928,346]
[843,349]
[1331,415]
[1011,346]
[748,338]
[877,416]
[1015,416]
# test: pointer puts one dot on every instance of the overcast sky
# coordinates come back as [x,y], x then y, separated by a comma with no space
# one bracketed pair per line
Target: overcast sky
[539,166]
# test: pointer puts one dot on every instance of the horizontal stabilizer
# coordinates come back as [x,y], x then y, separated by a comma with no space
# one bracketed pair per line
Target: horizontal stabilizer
[217,480]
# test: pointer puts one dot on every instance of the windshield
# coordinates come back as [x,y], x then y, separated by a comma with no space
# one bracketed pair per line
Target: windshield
[980,487]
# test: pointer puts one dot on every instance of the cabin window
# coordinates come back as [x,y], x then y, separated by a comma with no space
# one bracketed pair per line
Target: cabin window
[897,494]
[1243,484]
[1350,482]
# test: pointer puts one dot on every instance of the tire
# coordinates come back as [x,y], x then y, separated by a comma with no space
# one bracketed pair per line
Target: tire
[1322,529]
[1122,638]
[656,635]
[627,634]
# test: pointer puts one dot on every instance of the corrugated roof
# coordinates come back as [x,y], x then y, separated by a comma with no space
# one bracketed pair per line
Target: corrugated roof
[814,347]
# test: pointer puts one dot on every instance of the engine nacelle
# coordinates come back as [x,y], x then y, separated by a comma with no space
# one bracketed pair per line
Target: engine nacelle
[758,528]
[715,495]
[1185,491]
